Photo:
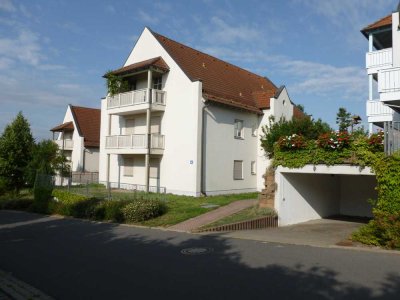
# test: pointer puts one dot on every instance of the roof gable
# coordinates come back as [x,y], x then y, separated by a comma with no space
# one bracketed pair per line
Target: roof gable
[222,81]
[87,121]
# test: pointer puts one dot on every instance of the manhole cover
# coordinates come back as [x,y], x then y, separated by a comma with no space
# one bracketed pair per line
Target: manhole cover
[196,251]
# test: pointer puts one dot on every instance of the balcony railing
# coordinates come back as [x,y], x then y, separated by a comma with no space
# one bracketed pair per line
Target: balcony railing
[379,58]
[134,141]
[389,80]
[377,108]
[68,144]
[136,97]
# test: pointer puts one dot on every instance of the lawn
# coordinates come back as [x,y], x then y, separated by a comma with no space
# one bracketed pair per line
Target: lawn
[181,208]
[243,215]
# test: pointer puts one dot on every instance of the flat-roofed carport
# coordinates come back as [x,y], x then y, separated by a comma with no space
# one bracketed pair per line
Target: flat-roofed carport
[315,192]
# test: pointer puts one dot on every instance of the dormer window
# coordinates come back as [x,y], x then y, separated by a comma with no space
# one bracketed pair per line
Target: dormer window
[157,83]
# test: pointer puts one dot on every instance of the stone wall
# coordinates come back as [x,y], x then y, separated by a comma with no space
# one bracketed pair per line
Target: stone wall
[267,196]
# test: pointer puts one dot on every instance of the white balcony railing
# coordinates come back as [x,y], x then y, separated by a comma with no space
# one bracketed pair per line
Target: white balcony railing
[134,141]
[377,108]
[135,97]
[68,144]
[389,80]
[379,58]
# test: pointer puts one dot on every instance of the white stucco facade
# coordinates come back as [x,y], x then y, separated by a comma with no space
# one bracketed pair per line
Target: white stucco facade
[199,146]
[81,158]
[315,192]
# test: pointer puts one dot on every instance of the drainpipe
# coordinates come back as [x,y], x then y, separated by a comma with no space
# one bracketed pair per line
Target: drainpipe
[203,150]
[148,130]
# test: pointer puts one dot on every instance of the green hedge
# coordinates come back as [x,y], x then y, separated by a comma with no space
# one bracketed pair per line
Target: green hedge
[142,210]
[16,204]
[74,205]
[110,210]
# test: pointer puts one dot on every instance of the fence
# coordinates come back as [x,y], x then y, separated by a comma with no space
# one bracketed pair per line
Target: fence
[392,137]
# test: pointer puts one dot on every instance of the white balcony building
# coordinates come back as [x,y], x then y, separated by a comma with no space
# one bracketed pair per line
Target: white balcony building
[383,68]
[186,121]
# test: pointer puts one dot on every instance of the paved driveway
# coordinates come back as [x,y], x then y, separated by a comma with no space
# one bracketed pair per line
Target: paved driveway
[75,259]
[321,233]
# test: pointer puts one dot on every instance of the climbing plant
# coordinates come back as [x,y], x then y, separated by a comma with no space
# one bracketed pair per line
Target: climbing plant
[116,84]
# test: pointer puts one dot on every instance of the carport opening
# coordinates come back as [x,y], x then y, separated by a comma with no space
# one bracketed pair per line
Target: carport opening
[307,197]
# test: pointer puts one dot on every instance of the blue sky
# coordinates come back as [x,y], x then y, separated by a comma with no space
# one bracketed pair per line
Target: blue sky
[55,52]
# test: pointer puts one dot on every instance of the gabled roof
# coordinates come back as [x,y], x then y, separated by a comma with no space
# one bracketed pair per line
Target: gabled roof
[68,126]
[381,23]
[88,124]
[156,62]
[222,82]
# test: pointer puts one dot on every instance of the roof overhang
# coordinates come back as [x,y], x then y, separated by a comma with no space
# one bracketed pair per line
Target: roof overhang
[68,126]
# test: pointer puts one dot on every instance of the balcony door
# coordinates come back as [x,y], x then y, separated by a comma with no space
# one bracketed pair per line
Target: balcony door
[155,123]
[129,126]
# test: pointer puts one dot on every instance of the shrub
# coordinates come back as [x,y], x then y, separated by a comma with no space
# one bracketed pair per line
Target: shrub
[74,205]
[334,140]
[3,187]
[142,210]
[292,142]
[375,141]
[110,210]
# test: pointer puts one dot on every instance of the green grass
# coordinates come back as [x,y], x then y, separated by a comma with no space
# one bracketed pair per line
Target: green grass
[243,215]
[181,208]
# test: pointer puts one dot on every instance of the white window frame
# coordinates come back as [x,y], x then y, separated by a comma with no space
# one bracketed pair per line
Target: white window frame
[157,83]
[239,133]
[253,168]
[234,173]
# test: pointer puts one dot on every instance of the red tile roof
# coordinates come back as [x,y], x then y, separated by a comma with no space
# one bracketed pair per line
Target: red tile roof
[156,62]
[222,81]
[68,126]
[384,22]
[88,124]
[297,113]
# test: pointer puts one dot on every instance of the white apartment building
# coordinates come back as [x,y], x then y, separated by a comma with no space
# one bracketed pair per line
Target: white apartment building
[189,123]
[79,138]
[383,67]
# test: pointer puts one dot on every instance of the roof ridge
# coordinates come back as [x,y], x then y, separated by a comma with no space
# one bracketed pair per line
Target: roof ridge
[213,57]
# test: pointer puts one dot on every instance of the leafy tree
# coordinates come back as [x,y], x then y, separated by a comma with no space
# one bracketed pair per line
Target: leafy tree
[307,127]
[344,119]
[47,159]
[16,146]
[301,107]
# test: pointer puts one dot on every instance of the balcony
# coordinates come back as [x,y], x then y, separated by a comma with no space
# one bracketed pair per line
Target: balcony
[378,60]
[389,85]
[136,101]
[134,144]
[378,112]
[68,144]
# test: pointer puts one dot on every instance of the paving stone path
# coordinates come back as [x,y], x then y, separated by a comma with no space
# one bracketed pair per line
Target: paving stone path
[214,215]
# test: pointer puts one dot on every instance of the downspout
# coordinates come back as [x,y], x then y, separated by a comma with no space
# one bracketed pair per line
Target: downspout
[203,150]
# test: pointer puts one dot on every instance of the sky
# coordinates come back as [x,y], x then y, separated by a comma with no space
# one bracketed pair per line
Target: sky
[54,52]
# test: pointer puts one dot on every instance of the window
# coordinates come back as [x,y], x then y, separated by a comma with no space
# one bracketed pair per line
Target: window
[129,126]
[238,169]
[254,130]
[128,166]
[239,132]
[157,83]
[154,168]
[253,168]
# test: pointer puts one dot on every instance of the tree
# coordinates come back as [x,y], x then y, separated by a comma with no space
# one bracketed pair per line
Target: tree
[344,119]
[46,159]
[16,146]
[307,127]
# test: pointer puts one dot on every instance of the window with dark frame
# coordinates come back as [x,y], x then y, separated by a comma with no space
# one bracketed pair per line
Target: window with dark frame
[238,169]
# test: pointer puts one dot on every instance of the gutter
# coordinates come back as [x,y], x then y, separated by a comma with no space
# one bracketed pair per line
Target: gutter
[203,149]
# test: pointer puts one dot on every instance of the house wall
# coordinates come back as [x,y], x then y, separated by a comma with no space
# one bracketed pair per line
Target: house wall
[281,107]
[222,148]
[181,124]
[91,159]
[314,192]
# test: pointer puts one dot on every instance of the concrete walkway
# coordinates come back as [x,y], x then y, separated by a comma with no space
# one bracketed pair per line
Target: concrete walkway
[213,215]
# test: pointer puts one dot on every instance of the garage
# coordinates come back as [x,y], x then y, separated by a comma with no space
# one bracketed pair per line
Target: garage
[316,192]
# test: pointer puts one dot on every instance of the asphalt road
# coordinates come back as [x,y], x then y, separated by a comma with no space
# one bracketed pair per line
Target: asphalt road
[74,259]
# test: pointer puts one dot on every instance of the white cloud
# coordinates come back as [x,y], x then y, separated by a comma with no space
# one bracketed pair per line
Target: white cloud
[7,6]
[24,47]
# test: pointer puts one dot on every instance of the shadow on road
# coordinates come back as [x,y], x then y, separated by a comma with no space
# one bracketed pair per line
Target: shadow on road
[74,259]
